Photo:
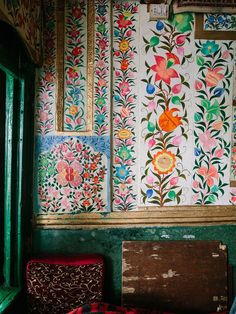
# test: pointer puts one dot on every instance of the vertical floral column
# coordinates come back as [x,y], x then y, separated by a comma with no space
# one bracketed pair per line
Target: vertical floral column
[125,104]
[102,68]
[75,66]
[212,121]
[45,93]
[167,62]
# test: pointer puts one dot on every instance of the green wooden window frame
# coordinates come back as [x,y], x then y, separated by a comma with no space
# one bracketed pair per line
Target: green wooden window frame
[14,120]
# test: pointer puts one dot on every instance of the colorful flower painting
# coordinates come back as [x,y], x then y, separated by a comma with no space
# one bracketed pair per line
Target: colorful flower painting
[220,22]
[102,68]
[72,178]
[46,78]
[233,147]
[75,66]
[164,120]
[125,102]
[212,119]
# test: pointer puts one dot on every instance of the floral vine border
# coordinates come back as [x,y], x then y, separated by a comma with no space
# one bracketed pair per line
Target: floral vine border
[220,22]
[74,66]
[165,125]
[125,98]
[212,120]
[101,75]
[45,92]
[72,178]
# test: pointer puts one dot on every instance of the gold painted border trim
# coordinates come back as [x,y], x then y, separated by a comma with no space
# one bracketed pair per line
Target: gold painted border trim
[147,217]
[60,18]
[200,33]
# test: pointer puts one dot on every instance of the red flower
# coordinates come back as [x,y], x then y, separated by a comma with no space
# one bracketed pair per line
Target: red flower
[76,51]
[102,44]
[123,22]
[72,73]
[162,68]
[77,12]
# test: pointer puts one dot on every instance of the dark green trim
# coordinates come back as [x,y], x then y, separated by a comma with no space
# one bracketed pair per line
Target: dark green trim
[7,295]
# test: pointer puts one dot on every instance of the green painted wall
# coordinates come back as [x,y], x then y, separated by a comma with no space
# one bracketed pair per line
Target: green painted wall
[108,242]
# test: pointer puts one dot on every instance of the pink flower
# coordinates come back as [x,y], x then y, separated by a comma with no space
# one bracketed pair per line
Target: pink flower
[129,33]
[124,88]
[177,140]
[207,141]
[195,184]
[180,40]
[149,179]
[180,51]
[117,120]
[219,152]
[125,112]
[117,73]
[174,181]
[225,54]
[213,77]
[198,85]
[209,174]
[43,116]
[151,105]
[151,143]
[176,89]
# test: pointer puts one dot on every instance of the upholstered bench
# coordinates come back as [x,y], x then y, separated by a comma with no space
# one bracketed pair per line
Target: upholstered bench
[57,285]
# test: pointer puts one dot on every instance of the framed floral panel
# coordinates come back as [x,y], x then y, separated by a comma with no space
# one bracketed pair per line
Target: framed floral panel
[215,26]
[75,66]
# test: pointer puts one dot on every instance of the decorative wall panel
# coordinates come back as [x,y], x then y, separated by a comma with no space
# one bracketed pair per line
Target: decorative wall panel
[165,151]
[125,109]
[214,79]
[220,22]
[72,174]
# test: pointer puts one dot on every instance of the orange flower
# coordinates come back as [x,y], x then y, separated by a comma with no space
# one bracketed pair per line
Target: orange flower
[86,203]
[93,166]
[213,77]
[162,68]
[124,45]
[124,65]
[209,174]
[164,162]
[168,122]
[73,110]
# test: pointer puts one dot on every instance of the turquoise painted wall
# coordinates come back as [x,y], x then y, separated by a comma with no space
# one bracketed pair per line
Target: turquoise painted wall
[108,242]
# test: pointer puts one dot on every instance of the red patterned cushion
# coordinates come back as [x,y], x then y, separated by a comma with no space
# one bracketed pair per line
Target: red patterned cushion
[56,285]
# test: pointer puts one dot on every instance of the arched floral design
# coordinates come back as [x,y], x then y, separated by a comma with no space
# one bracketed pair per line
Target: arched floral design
[71,178]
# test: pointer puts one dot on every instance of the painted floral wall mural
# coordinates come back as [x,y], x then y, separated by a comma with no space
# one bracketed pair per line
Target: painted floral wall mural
[171,109]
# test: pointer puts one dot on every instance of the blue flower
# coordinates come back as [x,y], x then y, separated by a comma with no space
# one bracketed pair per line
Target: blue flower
[197,151]
[76,92]
[149,193]
[220,19]
[122,172]
[102,9]
[150,89]
[215,188]
[116,33]
[159,25]
[209,48]
[218,92]
[100,118]
[117,97]
[211,19]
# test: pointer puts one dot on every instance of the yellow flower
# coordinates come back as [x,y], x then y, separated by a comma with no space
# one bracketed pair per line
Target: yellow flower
[127,13]
[124,134]
[73,110]
[124,45]
[164,162]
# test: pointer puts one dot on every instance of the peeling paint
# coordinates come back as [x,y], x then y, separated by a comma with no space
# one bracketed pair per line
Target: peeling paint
[128,290]
[126,266]
[170,273]
[189,236]
[215,255]
[222,247]
[133,278]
